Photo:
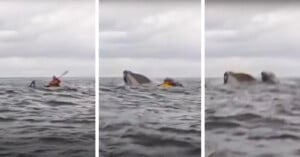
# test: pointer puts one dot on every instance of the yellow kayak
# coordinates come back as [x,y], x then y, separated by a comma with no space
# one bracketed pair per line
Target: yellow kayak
[164,85]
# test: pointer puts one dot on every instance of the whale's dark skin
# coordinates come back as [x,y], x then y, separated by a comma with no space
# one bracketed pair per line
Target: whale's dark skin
[268,77]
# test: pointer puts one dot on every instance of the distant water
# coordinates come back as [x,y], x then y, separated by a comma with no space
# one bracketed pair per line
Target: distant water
[149,122]
[253,121]
[44,123]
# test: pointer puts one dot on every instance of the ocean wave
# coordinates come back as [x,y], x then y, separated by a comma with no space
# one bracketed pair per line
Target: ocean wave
[39,122]
[148,121]
[252,120]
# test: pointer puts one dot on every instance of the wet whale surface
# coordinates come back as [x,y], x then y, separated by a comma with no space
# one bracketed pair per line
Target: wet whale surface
[255,120]
[43,123]
[149,122]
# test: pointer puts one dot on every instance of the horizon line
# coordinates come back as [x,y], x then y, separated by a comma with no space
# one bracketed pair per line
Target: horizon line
[152,77]
[45,76]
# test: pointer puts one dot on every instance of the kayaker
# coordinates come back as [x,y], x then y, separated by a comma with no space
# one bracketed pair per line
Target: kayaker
[55,82]
[168,82]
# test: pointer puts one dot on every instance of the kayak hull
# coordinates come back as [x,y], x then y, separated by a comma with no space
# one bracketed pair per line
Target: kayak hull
[165,85]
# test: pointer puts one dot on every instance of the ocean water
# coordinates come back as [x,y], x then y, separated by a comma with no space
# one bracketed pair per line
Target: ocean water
[47,123]
[149,122]
[259,120]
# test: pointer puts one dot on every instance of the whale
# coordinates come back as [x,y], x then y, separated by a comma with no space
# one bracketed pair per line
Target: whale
[134,79]
[236,78]
[269,77]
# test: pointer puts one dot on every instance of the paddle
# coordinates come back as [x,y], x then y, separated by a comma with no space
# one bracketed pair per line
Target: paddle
[63,74]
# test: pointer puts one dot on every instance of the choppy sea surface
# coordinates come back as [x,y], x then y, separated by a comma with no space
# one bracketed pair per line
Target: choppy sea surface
[47,123]
[148,121]
[258,120]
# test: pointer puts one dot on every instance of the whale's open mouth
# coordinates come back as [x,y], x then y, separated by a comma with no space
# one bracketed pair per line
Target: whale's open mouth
[131,78]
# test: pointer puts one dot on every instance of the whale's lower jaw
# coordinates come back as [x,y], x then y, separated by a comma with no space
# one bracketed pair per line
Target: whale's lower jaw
[132,81]
[232,80]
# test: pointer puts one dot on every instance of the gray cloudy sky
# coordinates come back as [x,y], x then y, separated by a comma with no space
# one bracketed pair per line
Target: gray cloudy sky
[251,36]
[157,38]
[46,37]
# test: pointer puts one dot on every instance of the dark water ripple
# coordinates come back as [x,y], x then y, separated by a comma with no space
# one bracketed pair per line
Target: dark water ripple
[253,121]
[45,123]
[149,122]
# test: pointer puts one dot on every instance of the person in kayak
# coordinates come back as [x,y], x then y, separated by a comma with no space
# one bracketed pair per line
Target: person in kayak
[55,82]
[168,82]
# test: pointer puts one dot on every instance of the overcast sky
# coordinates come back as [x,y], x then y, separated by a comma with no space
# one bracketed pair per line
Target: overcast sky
[251,36]
[46,37]
[157,38]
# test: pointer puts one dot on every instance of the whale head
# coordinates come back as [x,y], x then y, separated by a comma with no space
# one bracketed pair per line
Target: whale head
[134,79]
